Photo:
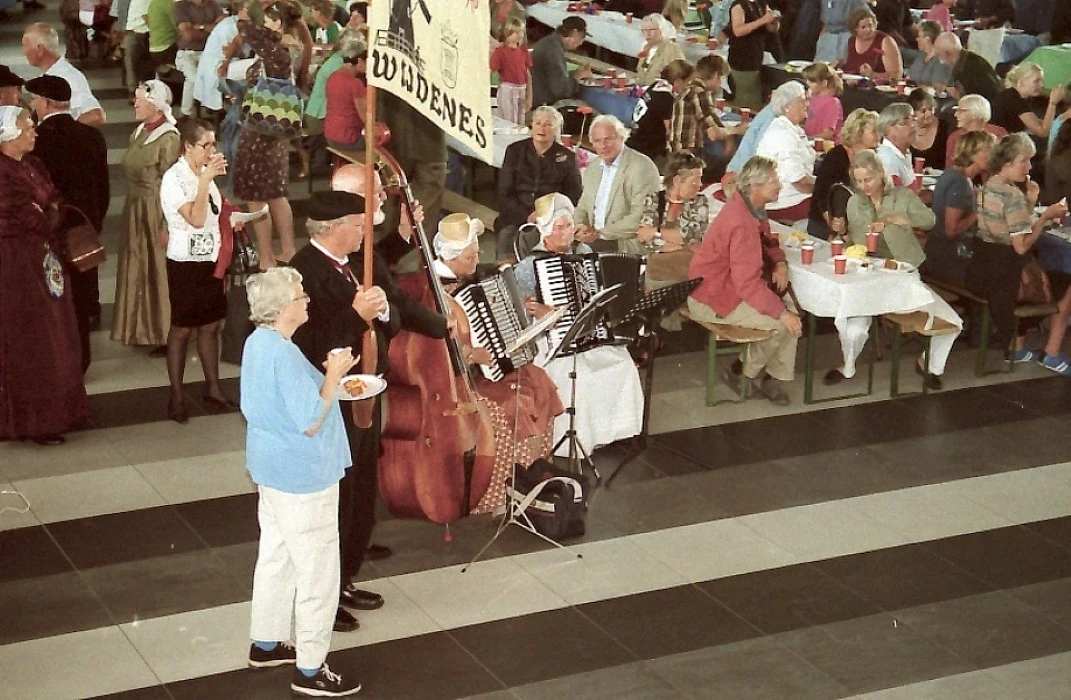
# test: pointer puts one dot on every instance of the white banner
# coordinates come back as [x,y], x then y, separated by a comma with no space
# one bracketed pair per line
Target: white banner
[435,55]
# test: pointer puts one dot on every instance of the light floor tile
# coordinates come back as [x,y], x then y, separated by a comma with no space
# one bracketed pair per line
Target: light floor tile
[86,494]
[192,644]
[1047,678]
[397,619]
[928,512]
[601,573]
[713,550]
[83,451]
[823,530]
[976,685]
[11,505]
[198,478]
[72,666]
[1025,495]
[494,589]
[121,374]
[205,435]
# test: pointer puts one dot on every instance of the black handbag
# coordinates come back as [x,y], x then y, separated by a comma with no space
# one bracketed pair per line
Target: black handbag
[554,501]
[244,257]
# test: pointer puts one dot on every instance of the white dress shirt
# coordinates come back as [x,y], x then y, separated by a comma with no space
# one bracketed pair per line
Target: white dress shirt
[602,196]
[788,145]
[82,99]
[897,163]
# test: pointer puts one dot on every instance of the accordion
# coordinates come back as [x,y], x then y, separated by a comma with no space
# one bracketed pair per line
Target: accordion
[572,281]
[495,310]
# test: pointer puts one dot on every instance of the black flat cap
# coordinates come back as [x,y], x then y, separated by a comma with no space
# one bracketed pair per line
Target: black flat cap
[330,205]
[51,87]
[9,79]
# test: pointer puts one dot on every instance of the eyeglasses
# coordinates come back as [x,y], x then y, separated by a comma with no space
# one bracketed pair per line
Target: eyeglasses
[210,146]
[303,297]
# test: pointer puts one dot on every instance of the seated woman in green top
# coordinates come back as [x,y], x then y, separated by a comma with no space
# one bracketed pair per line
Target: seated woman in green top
[893,212]
[1006,234]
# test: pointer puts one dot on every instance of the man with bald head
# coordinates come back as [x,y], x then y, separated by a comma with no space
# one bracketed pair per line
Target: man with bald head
[971,74]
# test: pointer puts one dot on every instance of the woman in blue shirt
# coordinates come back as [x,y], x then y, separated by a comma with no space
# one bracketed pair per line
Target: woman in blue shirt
[296,453]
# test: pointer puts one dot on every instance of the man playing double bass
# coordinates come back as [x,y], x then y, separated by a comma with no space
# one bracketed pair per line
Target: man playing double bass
[340,313]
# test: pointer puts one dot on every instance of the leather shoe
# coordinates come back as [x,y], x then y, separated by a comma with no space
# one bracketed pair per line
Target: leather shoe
[376,552]
[217,405]
[833,376]
[772,390]
[48,440]
[178,413]
[932,381]
[345,621]
[360,600]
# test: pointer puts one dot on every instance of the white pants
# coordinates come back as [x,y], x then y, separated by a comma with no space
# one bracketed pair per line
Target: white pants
[511,102]
[855,330]
[297,574]
[186,61]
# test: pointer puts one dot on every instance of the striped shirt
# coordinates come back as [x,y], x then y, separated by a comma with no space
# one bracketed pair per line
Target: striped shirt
[1003,211]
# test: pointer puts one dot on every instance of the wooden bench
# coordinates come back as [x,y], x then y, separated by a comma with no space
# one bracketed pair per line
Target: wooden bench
[913,323]
[456,203]
[739,338]
[1022,311]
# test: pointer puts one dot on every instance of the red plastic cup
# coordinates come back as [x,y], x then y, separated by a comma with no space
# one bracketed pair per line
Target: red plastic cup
[607,82]
[712,43]
[872,238]
[819,145]
[720,103]
[621,82]
[840,264]
[837,244]
[901,87]
[628,18]
[775,237]
[567,140]
[745,115]
[807,254]
[920,163]
[613,73]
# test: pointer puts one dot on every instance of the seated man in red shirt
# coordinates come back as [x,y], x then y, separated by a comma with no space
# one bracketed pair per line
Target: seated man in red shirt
[345,91]
[741,267]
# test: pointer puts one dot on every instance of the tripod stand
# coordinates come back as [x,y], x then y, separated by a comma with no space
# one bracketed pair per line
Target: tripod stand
[584,325]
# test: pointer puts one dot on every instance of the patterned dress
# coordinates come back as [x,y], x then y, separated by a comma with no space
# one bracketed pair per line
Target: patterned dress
[261,166]
[41,385]
[142,312]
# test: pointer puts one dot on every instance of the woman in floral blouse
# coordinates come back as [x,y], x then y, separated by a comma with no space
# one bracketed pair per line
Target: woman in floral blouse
[674,219]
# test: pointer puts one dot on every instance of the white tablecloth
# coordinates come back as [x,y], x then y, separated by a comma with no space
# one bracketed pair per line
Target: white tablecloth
[610,31]
[505,133]
[859,294]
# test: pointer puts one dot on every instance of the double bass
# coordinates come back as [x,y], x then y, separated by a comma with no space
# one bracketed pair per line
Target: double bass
[438,447]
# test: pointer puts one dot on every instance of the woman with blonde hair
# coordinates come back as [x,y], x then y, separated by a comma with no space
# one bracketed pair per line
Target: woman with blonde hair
[859,133]
[1012,109]
[659,49]
[675,11]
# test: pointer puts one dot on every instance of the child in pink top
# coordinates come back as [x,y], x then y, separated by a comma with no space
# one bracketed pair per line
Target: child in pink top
[941,13]
[513,64]
[825,115]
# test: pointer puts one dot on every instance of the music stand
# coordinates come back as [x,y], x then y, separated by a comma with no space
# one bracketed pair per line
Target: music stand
[586,321]
[649,309]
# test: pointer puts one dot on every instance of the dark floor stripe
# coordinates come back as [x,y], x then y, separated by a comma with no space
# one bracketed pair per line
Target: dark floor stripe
[865,622]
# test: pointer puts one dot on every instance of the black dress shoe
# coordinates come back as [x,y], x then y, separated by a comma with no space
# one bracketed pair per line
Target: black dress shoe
[360,600]
[217,405]
[345,622]
[932,381]
[833,376]
[158,351]
[178,413]
[376,552]
[48,440]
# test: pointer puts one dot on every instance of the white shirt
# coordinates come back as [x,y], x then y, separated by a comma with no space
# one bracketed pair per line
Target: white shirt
[897,163]
[187,243]
[82,99]
[788,145]
[602,196]
[135,19]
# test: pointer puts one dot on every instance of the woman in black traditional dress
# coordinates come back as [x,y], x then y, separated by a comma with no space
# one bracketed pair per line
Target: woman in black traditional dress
[42,390]
[261,165]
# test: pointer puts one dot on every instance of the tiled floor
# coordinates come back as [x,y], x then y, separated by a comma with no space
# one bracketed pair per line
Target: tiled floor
[914,548]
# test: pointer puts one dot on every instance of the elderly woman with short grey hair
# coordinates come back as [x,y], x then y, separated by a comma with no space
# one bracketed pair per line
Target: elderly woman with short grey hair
[973,113]
[787,144]
[741,266]
[530,169]
[659,49]
[296,453]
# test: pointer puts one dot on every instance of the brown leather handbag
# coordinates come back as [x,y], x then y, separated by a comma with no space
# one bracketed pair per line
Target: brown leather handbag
[84,248]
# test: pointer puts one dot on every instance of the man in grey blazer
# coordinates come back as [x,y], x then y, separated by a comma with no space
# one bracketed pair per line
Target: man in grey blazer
[615,187]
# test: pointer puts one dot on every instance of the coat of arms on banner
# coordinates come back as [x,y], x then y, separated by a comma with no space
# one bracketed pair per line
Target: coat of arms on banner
[434,54]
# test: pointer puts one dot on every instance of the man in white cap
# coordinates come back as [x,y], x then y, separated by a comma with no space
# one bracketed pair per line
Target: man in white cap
[76,158]
[40,46]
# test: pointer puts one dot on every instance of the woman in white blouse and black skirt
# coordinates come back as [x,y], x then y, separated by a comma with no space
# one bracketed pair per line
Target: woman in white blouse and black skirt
[191,203]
